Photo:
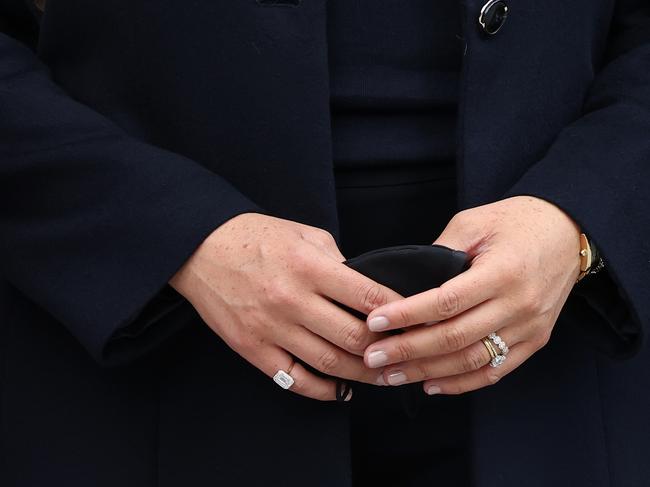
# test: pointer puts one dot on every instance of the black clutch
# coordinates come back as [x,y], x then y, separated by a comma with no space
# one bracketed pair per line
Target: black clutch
[408,270]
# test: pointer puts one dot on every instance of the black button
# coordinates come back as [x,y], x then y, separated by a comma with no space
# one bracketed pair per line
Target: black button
[493,15]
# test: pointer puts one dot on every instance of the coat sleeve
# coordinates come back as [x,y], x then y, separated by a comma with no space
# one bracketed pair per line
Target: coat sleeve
[598,172]
[93,222]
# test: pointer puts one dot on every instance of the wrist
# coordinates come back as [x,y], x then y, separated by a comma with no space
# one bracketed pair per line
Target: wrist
[185,280]
[215,247]
[180,281]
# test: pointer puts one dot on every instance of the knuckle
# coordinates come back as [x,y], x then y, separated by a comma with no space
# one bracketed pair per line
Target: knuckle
[240,343]
[453,339]
[325,237]
[328,362]
[492,377]
[509,272]
[267,249]
[472,360]
[532,304]
[528,298]
[354,336]
[405,350]
[403,315]
[303,386]
[324,395]
[447,303]
[279,294]
[422,370]
[543,340]
[461,218]
[302,259]
[299,385]
[370,296]
[245,338]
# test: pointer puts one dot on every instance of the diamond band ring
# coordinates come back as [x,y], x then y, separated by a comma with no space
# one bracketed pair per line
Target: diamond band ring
[497,349]
[498,341]
[283,379]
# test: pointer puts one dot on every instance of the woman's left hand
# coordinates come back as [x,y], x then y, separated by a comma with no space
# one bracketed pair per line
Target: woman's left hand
[524,255]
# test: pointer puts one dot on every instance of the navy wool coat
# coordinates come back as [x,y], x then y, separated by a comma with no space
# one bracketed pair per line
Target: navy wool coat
[130,129]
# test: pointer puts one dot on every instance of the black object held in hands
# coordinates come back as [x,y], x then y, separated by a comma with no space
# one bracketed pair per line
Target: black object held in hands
[408,270]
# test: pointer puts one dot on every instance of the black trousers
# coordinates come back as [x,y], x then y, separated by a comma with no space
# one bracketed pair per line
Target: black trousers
[394,444]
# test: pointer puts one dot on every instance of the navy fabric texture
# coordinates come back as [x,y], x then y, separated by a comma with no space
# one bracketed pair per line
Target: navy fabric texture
[95,221]
[136,128]
[394,80]
[394,72]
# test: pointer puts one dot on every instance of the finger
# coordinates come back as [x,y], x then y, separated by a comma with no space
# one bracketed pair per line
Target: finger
[470,288]
[272,359]
[351,288]
[442,338]
[337,326]
[467,360]
[483,377]
[321,239]
[327,358]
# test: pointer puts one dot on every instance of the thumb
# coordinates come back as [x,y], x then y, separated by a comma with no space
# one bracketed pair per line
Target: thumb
[461,234]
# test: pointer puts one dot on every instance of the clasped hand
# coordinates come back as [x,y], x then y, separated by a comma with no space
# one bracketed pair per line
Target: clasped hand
[269,288]
[524,262]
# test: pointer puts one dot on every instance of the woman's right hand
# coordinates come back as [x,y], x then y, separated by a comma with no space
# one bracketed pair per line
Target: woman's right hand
[269,287]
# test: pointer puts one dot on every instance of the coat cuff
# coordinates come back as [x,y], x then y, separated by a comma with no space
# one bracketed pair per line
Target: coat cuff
[604,305]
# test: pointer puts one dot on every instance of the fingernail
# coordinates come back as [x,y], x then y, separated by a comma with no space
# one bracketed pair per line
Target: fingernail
[377,358]
[378,323]
[380,380]
[349,396]
[396,378]
[433,390]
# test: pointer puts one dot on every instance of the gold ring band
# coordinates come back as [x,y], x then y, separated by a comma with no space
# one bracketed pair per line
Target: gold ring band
[497,349]
[490,348]
[291,367]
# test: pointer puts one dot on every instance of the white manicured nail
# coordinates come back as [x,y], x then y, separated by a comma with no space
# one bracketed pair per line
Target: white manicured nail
[433,390]
[349,396]
[378,323]
[377,358]
[397,378]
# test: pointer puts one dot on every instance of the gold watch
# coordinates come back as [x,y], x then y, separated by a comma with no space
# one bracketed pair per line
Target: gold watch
[590,260]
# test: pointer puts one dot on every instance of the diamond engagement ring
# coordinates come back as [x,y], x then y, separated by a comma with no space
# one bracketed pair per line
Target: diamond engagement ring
[283,379]
[497,349]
